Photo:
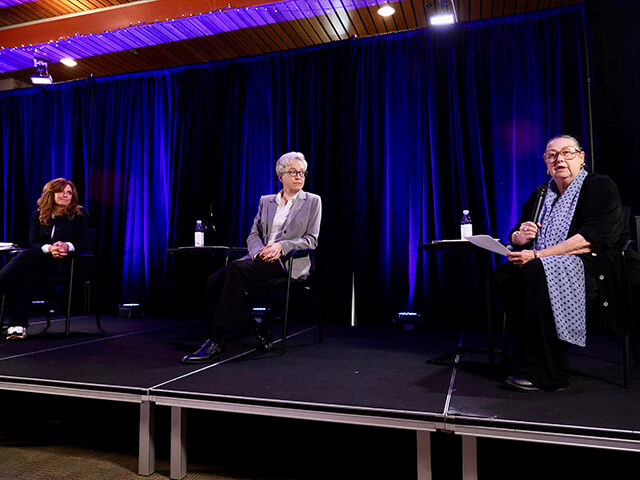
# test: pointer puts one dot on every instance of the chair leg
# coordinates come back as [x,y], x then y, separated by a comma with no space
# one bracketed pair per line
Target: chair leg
[68,319]
[634,342]
[312,315]
[505,336]
[283,344]
[4,299]
[626,360]
[92,299]
[319,327]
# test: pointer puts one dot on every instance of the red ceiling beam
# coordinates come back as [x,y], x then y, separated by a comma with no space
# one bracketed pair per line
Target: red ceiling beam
[111,18]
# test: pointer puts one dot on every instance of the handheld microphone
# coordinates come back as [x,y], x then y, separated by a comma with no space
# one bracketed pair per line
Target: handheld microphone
[537,207]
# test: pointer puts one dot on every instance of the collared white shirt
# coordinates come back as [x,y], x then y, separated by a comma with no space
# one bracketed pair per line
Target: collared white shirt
[279,219]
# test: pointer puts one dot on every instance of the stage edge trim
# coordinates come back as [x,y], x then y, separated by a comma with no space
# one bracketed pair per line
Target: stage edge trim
[547,437]
[280,412]
[74,392]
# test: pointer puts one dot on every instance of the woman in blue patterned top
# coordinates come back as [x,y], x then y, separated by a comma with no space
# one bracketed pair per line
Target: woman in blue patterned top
[563,265]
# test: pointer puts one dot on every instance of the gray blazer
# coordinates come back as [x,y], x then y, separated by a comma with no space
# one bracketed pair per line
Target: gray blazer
[301,229]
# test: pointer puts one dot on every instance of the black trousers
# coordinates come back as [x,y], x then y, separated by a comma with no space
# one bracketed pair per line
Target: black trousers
[226,290]
[21,275]
[540,354]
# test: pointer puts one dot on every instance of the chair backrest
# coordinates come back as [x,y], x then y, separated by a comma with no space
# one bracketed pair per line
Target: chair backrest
[626,214]
[637,218]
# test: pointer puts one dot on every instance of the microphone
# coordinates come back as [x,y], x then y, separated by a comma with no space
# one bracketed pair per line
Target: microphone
[541,192]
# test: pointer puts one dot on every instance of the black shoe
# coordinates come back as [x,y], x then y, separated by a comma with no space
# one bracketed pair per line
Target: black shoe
[208,352]
[264,335]
[521,384]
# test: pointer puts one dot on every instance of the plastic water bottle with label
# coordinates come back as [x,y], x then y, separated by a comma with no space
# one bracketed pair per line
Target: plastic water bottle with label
[199,234]
[466,229]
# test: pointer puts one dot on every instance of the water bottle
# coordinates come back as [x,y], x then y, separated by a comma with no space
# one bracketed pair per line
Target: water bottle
[466,229]
[199,234]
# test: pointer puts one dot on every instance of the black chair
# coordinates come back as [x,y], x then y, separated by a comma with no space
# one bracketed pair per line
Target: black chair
[628,335]
[632,271]
[287,285]
[81,270]
[632,284]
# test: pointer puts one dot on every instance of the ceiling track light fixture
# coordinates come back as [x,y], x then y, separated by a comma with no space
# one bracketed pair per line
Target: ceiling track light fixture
[42,77]
[444,17]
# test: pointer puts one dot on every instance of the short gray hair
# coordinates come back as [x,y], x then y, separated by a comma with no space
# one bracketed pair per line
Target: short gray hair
[566,137]
[287,159]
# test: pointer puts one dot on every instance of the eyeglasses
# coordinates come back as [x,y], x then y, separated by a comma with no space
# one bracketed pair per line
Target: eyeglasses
[568,153]
[296,173]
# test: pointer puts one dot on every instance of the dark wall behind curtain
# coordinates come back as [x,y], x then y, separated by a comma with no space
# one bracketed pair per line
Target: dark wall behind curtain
[402,132]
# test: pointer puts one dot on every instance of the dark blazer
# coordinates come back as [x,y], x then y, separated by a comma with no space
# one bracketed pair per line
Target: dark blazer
[75,231]
[301,228]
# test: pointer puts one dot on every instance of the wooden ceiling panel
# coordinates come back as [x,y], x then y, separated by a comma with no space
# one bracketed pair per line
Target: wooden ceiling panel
[419,9]
[42,9]
[222,33]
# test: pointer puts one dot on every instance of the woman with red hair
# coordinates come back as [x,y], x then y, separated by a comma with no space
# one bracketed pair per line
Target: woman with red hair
[58,227]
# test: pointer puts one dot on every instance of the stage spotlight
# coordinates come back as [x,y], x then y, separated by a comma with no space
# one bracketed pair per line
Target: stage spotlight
[386,11]
[408,320]
[260,314]
[442,19]
[69,62]
[130,310]
[42,77]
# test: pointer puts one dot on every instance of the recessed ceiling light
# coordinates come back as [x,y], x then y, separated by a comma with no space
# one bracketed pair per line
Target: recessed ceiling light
[386,11]
[69,62]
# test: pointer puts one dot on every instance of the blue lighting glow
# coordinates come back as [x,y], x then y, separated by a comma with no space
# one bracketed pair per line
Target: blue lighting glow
[11,3]
[174,30]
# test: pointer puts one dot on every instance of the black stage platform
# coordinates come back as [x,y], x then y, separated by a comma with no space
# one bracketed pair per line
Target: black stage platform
[362,376]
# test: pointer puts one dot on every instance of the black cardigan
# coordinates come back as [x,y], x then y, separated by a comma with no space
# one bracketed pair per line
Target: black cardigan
[75,231]
[599,219]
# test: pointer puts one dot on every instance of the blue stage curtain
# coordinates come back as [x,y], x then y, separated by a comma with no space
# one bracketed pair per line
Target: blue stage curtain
[43,135]
[451,120]
[614,53]
[401,131]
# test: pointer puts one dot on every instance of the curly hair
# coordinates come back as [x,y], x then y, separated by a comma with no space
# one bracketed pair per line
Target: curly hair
[47,202]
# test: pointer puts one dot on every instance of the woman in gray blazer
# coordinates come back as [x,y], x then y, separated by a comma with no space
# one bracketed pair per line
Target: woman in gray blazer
[285,222]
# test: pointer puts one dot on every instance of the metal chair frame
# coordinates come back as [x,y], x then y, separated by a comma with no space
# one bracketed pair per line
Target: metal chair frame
[89,284]
[289,282]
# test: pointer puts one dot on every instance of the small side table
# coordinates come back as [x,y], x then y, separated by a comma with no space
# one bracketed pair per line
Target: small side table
[464,246]
[210,252]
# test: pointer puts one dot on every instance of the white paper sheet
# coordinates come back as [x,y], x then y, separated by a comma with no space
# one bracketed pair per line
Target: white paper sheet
[488,243]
